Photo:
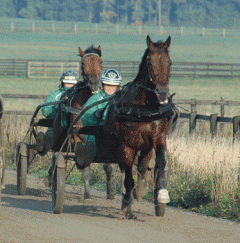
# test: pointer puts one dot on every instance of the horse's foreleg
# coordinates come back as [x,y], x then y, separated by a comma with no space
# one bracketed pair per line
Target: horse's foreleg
[161,196]
[129,185]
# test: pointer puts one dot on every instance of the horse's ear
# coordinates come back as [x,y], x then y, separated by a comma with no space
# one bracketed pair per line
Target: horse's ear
[167,42]
[149,42]
[81,52]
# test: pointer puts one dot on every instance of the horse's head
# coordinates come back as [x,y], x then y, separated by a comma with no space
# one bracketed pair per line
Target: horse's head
[158,67]
[91,67]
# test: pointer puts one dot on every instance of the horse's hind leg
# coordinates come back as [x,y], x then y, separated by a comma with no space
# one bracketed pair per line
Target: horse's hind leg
[112,172]
[161,196]
[143,166]
[86,175]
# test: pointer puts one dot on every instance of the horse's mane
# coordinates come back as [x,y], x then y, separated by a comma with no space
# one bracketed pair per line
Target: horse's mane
[92,49]
[143,64]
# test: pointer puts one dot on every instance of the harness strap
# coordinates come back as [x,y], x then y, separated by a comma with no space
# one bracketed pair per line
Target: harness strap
[142,114]
[71,109]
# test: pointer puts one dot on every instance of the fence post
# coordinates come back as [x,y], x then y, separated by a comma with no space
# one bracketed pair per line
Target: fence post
[45,70]
[33,27]
[27,70]
[222,112]
[117,29]
[140,29]
[236,128]
[213,125]
[75,28]
[195,69]
[224,33]
[96,28]
[12,27]
[181,31]
[161,30]
[203,32]
[193,116]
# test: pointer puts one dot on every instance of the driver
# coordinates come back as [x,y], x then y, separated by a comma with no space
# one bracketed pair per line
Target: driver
[111,80]
[45,141]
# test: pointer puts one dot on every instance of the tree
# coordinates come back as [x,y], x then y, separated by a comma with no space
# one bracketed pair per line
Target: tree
[8,8]
[33,9]
[90,8]
[73,10]
[108,13]
[138,12]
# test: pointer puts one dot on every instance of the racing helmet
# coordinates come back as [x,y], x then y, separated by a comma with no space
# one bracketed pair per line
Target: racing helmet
[112,77]
[68,76]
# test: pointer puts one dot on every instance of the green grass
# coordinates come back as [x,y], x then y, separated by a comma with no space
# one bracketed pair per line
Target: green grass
[116,47]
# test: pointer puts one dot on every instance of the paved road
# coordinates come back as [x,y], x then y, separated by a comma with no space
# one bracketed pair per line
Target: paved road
[29,219]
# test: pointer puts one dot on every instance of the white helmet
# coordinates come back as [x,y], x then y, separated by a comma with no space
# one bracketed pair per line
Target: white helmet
[112,77]
[69,76]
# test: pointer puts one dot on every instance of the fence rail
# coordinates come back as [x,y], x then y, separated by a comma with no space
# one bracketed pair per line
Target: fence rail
[54,68]
[23,25]
[192,117]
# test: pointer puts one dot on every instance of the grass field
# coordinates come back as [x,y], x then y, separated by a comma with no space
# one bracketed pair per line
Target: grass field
[116,47]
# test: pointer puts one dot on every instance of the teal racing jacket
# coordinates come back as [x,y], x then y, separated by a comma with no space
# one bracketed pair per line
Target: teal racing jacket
[51,111]
[89,119]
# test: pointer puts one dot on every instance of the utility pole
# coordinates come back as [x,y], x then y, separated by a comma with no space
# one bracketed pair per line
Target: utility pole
[159,12]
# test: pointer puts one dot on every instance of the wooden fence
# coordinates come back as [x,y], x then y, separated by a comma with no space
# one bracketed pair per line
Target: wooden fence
[54,68]
[39,26]
[191,117]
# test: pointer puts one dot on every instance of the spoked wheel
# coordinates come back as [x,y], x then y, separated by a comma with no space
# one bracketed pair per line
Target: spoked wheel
[58,188]
[22,167]
[2,171]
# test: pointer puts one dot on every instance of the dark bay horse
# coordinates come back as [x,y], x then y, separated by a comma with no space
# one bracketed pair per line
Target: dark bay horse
[138,119]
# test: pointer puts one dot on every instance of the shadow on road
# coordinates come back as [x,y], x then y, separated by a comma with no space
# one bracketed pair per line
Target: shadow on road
[40,200]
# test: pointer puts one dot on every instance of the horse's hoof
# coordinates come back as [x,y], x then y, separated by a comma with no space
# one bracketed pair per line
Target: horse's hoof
[87,196]
[47,181]
[163,196]
[127,203]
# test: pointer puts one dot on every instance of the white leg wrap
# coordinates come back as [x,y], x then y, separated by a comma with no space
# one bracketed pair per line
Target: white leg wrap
[163,196]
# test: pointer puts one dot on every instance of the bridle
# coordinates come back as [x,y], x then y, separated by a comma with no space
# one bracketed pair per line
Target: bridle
[85,78]
[159,89]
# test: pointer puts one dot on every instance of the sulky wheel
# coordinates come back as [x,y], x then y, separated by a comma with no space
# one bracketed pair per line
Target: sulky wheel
[22,168]
[2,172]
[58,185]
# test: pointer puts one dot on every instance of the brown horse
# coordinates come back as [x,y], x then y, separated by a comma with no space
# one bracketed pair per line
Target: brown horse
[91,68]
[138,119]
[91,71]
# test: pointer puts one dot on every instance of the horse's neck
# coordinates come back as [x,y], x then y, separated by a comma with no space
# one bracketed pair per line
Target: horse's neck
[81,97]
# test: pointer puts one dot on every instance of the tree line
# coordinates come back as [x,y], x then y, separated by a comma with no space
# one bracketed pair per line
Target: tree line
[188,13]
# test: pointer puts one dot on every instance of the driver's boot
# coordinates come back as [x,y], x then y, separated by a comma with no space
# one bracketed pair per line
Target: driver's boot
[44,142]
[84,154]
